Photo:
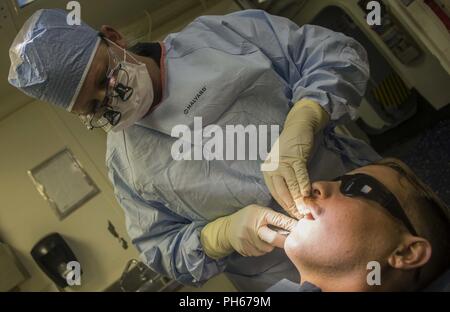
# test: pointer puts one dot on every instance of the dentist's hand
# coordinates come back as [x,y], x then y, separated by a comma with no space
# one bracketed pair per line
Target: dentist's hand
[289,183]
[246,232]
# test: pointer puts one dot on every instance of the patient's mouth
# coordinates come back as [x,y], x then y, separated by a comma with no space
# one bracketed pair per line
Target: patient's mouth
[310,210]
[309,216]
[306,213]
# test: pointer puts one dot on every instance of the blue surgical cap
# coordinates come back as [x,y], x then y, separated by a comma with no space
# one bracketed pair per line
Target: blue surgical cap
[50,58]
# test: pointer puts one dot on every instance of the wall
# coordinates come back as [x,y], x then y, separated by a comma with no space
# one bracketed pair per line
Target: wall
[28,137]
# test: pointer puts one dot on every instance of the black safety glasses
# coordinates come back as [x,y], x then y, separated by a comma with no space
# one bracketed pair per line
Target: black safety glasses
[366,186]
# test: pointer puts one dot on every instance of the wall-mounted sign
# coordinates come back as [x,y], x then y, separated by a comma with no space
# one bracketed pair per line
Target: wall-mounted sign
[63,183]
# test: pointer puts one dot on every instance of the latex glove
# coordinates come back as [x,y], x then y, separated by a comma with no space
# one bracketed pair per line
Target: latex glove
[246,232]
[289,183]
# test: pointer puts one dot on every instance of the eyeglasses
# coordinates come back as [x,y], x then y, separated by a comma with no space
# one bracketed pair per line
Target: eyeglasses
[103,113]
[363,185]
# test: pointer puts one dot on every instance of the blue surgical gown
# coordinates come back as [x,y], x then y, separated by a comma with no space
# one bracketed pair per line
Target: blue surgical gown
[246,68]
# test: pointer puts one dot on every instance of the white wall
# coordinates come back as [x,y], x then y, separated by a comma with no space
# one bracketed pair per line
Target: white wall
[28,137]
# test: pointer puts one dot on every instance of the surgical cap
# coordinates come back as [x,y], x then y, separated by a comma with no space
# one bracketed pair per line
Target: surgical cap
[50,58]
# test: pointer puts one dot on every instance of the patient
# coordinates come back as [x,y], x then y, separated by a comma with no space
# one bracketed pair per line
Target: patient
[339,235]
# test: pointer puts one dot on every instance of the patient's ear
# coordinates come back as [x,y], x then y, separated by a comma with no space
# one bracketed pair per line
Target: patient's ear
[414,252]
[113,35]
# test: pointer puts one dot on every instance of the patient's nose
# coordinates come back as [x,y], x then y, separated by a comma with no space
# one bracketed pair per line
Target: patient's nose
[322,189]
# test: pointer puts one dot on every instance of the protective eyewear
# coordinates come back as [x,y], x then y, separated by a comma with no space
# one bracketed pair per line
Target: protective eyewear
[103,113]
[366,186]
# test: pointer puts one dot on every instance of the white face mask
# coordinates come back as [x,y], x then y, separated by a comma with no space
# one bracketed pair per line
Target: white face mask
[134,76]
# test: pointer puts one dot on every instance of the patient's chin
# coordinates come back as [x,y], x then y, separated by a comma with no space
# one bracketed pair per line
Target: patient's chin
[292,247]
[305,242]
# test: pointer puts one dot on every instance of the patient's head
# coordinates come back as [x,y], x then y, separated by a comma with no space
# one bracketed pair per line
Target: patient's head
[332,247]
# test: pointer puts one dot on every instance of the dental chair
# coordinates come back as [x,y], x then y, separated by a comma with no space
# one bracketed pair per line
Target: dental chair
[442,284]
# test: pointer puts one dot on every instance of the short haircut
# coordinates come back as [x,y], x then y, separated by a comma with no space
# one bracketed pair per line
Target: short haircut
[430,217]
